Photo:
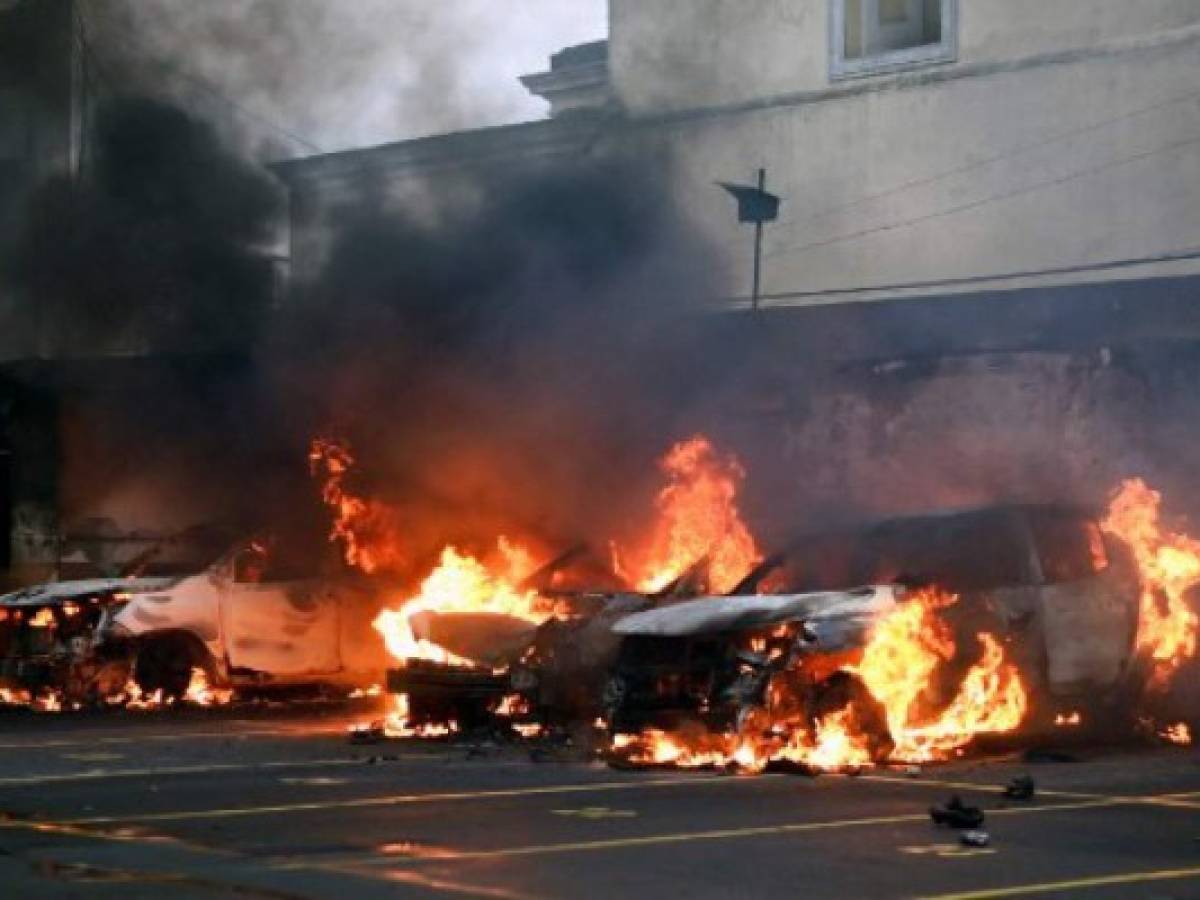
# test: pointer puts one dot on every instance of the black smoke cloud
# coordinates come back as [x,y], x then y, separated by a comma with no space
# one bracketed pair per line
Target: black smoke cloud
[516,367]
[159,245]
[148,287]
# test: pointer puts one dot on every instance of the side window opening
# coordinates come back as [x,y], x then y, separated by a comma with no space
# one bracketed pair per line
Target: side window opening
[1069,547]
[968,552]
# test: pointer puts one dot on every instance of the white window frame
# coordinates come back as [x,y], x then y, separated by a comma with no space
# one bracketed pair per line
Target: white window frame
[895,61]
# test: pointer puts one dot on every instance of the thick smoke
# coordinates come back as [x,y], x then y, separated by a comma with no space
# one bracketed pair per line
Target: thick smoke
[339,74]
[515,367]
[150,288]
[158,246]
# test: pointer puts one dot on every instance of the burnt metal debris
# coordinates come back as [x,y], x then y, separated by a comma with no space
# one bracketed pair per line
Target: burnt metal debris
[956,814]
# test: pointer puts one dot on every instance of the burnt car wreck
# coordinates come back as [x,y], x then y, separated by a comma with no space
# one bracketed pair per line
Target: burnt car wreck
[243,621]
[1056,592]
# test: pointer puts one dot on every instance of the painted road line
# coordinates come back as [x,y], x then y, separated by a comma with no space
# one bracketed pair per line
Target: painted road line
[93,757]
[1179,801]
[171,771]
[980,788]
[687,837]
[55,743]
[1078,884]
[403,800]
[595,812]
[947,851]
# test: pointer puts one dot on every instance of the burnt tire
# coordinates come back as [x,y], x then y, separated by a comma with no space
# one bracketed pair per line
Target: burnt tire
[165,664]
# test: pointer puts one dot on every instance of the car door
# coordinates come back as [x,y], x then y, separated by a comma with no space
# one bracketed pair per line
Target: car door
[1088,604]
[282,624]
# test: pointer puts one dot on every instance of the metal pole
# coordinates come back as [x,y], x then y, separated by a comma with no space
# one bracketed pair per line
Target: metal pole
[758,239]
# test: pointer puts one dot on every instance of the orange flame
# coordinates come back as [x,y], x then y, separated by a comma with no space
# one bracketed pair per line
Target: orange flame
[1179,733]
[398,724]
[463,584]
[698,520]
[906,648]
[367,529]
[1169,565]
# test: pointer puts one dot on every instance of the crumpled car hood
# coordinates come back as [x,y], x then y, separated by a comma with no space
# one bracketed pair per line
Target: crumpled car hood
[835,617]
[54,592]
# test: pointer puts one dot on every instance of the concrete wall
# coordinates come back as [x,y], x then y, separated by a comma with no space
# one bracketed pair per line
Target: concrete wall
[682,54]
[1066,136]
[1005,162]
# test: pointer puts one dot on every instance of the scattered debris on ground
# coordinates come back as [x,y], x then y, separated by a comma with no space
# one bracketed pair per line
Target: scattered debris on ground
[956,814]
[1020,788]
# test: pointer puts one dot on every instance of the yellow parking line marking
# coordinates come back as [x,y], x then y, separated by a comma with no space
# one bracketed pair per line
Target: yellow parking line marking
[686,837]
[1078,884]
[1179,801]
[233,734]
[320,781]
[167,771]
[982,788]
[404,799]
[93,757]
[947,851]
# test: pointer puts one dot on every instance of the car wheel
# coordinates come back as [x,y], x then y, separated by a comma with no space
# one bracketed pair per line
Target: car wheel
[165,664]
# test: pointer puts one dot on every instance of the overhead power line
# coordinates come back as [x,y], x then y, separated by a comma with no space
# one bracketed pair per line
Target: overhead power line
[927,181]
[976,204]
[1192,254]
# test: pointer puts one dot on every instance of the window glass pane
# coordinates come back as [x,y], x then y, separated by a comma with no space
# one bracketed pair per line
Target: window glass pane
[893,12]
[879,27]
[854,35]
[933,21]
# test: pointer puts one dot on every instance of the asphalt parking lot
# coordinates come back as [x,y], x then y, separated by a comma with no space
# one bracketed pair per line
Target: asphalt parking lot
[276,803]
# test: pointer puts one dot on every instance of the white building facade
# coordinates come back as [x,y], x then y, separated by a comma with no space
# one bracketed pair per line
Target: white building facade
[935,143]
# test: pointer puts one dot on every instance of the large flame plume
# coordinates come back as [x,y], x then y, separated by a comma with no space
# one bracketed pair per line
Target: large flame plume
[698,522]
[1169,566]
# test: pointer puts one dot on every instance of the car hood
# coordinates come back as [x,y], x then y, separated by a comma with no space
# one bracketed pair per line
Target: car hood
[56,592]
[835,617]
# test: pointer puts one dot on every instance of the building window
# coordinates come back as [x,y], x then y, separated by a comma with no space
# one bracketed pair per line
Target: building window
[870,36]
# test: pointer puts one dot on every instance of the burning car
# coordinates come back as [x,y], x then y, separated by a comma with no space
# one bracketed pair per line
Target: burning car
[541,648]
[252,618]
[1048,593]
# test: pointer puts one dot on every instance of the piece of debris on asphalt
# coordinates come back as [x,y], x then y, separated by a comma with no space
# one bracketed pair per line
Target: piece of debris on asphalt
[975,838]
[956,814]
[1020,788]
[367,734]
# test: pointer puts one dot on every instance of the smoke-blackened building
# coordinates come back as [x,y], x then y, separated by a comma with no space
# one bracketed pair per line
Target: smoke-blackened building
[1002,154]
[987,241]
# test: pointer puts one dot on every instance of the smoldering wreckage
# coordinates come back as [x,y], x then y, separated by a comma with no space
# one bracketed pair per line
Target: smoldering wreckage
[907,641]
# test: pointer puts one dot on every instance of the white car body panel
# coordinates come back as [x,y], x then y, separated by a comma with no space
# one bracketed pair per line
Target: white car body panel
[828,614]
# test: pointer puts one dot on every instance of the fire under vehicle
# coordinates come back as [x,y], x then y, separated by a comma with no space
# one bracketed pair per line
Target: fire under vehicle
[556,668]
[1059,593]
[249,619]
